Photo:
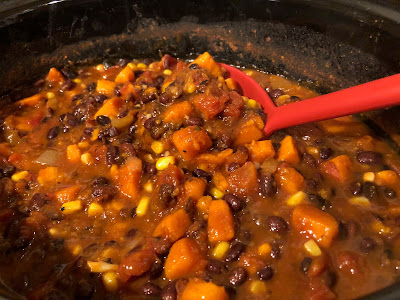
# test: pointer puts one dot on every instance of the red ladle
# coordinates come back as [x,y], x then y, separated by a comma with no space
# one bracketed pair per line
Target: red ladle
[368,96]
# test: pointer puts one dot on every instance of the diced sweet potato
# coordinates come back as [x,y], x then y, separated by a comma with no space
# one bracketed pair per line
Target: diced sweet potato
[288,151]
[105,87]
[244,181]
[214,159]
[260,150]
[206,61]
[210,106]
[289,180]
[234,106]
[136,264]
[50,176]
[125,75]
[221,225]
[341,126]
[315,223]
[73,153]
[198,289]
[68,194]
[340,168]
[386,177]
[191,141]
[110,108]
[184,259]
[55,76]
[177,112]
[249,131]
[195,188]
[220,181]
[30,101]
[173,227]
[129,177]
[172,175]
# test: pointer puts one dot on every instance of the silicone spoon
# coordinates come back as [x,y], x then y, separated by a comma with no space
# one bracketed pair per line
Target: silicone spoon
[372,95]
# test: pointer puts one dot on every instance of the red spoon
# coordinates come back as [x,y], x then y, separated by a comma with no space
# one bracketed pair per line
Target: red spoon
[368,96]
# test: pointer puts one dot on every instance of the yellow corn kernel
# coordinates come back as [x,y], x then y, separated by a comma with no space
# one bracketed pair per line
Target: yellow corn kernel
[264,249]
[114,171]
[258,287]
[312,248]
[87,158]
[143,206]
[50,95]
[95,134]
[83,145]
[252,103]
[100,67]
[76,250]
[54,232]
[230,83]
[163,162]
[312,150]
[123,122]
[216,193]
[110,281]
[360,201]
[71,207]
[296,198]
[148,186]
[203,204]
[220,250]
[95,209]
[157,147]
[282,99]
[369,177]
[132,66]
[101,267]
[19,175]
[167,72]
[378,227]
[77,80]
[191,88]
[141,66]
[73,153]
[324,193]
[249,72]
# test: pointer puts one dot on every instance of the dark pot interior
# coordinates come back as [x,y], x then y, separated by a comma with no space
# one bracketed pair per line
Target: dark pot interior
[328,45]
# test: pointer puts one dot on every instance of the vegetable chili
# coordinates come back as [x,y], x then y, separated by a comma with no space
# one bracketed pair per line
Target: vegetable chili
[154,179]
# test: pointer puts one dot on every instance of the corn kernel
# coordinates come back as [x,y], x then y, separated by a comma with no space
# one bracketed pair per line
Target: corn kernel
[258,287]
[123,122]
[77,80]
[50,95]
[73,153]
[230,83]
[86,158]
[296,198]
[369,177]
[54,232]
[148,186]
[163,162]
[110,281]
[83,145]
[249,72]
[143,206]
[71,207]
[95,135]
[360,201]
[282,99]
[252,103]
[141,66]
[76,250]
[100,67]
[264,249]
[324,193]
[312,248]
[114,171]
[191,88]
[220,250]
[132,66]
[167,72]
[216,193]
[19,175]
[203,204]
[95,209]
[101,266]
[157,147]
[378,227]
[312,150]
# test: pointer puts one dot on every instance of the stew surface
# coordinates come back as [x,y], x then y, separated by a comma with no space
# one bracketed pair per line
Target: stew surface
[154,179]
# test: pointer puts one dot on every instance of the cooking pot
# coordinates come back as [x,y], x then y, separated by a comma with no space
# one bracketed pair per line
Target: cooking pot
[327,45]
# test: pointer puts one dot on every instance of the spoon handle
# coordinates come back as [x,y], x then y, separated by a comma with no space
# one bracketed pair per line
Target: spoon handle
[368,96]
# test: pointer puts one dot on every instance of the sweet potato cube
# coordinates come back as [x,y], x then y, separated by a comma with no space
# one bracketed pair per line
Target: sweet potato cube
[386,177]
[68,194]
[136,264]
[289,180]
[105,87]
[125,75]
[249,131]
[195,188]
[191,141]
[206,61]
[260,150]
[55,76]
[209,105]
[129,177]
[110,108]
[315,223]
[184,259]
[73,153]
[198,289]
[340,168]
[177,112]
[173,227]
[30,101]
[244,181]
[50,176]
[221,225]
[288,151]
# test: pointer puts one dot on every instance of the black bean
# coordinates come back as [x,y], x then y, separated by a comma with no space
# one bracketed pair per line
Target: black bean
[195,121]
[68,73]
[103,120]
[122,62]
[91,86]
[325,153]
[322,203]
[100,98]
[165,194]
[215,266]
[125,139]
[234,252]
[169,292]
[68,85]
[156,270]
[369,157]
[104,192]
[149,123]
[266,273]
[7,171]
[117,91]
[169,61]
[389,193]
[100,181]
[367,245]
[38,200]
[133,212]
[202,174]
[56,244]
[369,190]
[88,131]
[150,289]
[164,98]
[276,251]
[112,154]
[275,93]
[158,82]
[267,185]
[234,202]
[111,132]
[151,169]
[356,188]
[131,233]
[128,149]
[193,66]
[305,264]
[157,132]
[53,132]
[277,225]
[312,184]
[237,276]
[72,121]
[309,160]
